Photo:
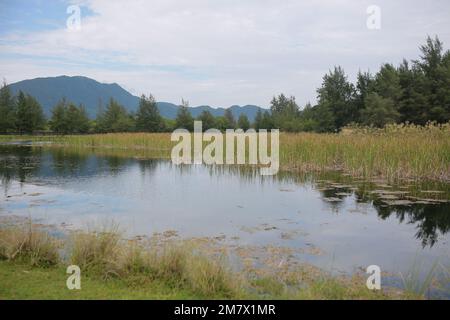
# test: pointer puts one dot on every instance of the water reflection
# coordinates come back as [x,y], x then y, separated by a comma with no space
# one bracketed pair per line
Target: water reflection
[430,220]
[57,166]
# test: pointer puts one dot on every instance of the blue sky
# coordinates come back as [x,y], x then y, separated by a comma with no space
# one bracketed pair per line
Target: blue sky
[215,52]
[34,15]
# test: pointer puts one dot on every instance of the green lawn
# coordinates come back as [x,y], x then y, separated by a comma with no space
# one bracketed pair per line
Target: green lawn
[20,281]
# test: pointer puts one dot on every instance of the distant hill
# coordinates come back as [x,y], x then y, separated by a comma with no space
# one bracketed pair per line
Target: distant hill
[80,90]
[91,93]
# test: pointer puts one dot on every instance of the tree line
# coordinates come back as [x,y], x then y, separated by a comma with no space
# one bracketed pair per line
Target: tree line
[415,92]
[23,114]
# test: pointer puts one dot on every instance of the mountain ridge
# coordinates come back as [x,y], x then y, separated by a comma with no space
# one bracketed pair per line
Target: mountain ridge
[91,93]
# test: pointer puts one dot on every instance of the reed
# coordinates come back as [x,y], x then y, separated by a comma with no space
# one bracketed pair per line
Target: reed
[395,152]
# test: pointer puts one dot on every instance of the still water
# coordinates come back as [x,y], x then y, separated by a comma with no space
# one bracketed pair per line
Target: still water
[339,223]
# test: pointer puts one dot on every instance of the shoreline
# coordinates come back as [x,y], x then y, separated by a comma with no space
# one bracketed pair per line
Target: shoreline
[178,268]
[360,155]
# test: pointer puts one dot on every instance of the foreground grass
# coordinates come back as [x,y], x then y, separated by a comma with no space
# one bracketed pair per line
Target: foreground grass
[21,281]
[32,267]
[394,153]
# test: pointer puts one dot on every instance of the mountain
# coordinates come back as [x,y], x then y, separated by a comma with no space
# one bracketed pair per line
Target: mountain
[79,90]
[91,93]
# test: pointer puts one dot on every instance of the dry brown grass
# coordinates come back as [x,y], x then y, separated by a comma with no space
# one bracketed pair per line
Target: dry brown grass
[105,253]
[28,243]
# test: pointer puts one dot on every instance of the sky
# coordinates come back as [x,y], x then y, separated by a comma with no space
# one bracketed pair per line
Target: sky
[215,52]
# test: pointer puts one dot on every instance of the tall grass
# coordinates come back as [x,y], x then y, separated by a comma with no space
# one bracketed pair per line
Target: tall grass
[394,152]
[29,244]
[177,264]
[415,282]
[104,253]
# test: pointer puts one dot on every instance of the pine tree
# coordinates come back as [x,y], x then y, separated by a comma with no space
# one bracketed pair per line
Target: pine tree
[30,116]
[364,86]
[77,119]
[379,111]
[243,122]
[267,121]
[231,122]
[58,120]
[285,112]
[435,65]
[184,118]
[148,118]
[7,110]
[413,103]
[207,119]
[337,95]
[115,118]
[258,120]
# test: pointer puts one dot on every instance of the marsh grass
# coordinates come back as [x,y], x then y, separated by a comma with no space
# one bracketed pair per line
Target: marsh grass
[109,260]
[28,244]
[96,251]
[415,281]
[104,253]
[395,152]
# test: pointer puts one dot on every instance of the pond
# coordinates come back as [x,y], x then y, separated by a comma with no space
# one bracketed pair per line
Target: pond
[333,221]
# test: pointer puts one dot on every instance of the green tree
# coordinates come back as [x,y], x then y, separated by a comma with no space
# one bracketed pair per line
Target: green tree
[115,118]
[379,111]
[387,83]
[184,118]
[77,119]
[58,120]
[207,119]
[7,110]
[222,123]
[243,122]
[30,116]
[364,86]
[148,118]
[231,122]
[267,121]
[306,119]
[258,120]
[67,118]
[435,65]
[413,103]
[337,95]
[285,113]
[323,118]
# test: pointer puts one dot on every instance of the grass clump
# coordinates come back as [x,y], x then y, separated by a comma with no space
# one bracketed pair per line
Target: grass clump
[96,252]
[178,265]
[204,275]
[30,245]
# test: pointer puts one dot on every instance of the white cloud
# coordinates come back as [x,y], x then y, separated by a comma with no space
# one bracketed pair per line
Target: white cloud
[224,52]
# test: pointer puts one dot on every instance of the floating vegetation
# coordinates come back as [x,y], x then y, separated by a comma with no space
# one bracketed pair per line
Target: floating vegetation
[398,202]
[332,199]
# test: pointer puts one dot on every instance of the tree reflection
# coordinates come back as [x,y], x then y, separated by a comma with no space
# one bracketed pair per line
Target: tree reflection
[430,219]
